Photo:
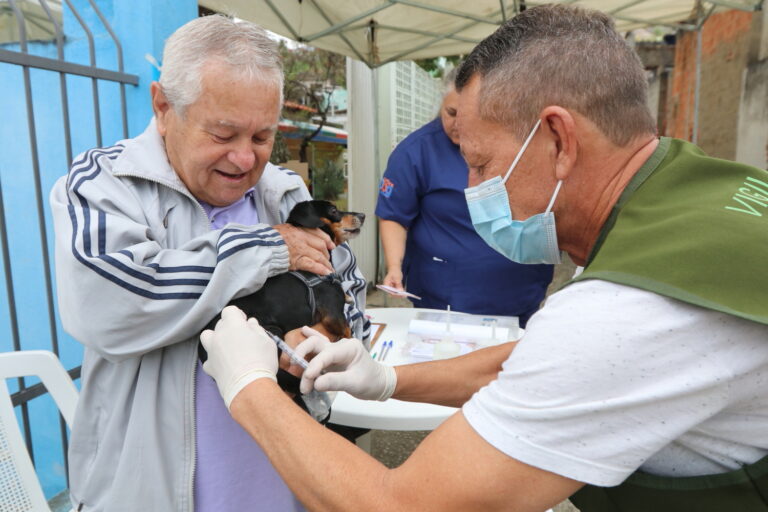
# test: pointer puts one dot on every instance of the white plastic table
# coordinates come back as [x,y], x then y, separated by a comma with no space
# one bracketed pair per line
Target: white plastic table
[392,414]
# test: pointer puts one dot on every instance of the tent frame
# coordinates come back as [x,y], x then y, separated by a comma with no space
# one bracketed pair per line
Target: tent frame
[506,10]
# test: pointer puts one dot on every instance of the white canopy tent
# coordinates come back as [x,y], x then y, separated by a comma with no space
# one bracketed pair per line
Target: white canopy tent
[381,31]
[376,32]
[38,23]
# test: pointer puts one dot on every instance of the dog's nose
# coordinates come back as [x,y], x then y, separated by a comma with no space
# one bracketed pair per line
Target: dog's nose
[361,216]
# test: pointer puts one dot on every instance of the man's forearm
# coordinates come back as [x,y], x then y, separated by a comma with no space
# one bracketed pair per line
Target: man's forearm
[322,469]
[452,470]
[453,381]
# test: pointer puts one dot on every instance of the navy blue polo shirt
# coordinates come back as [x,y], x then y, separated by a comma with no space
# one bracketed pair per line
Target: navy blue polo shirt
[446,261]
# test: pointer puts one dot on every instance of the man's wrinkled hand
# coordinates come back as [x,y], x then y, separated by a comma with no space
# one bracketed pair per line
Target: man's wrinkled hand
[345,366]
[308,249]
[239,352]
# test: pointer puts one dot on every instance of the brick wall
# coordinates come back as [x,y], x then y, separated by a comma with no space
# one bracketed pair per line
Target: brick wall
[726,40]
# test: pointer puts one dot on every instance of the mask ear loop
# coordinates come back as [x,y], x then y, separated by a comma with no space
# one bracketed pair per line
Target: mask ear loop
[522,150]
[554,196]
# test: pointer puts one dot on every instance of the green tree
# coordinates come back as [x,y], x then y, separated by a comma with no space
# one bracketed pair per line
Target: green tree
[436,65]
[280,151]
[329,181]
[311,76]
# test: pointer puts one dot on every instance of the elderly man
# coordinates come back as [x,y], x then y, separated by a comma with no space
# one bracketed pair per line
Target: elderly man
[154,236]
[644,379]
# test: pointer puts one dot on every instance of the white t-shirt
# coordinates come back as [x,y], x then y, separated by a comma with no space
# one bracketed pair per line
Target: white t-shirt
[609,379]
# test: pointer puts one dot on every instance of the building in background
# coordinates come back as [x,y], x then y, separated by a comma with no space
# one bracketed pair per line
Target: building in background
[733,88]
[385,105]
[324,167]
[338,103]
[407,98]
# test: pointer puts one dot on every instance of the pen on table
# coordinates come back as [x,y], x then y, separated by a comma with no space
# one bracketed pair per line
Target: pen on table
[387,346]
[382,350]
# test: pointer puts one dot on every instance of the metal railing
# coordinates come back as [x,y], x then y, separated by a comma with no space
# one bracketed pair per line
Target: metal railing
[20,55]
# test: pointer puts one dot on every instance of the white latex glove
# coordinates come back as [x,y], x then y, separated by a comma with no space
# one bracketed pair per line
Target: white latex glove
[344,366]
[239,352]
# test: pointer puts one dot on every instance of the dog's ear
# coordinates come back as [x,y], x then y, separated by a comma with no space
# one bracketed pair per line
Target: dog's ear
[303,215]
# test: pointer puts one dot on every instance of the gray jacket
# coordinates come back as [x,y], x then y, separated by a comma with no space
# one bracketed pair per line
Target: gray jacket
[139,273]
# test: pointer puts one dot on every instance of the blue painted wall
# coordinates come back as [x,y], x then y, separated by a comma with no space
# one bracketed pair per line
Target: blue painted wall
[141,26]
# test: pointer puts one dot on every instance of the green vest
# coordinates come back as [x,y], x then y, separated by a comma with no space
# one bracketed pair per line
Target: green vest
[742,490]
[693,228]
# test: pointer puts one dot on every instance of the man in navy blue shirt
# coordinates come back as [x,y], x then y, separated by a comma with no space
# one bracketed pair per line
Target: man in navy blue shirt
[429,243]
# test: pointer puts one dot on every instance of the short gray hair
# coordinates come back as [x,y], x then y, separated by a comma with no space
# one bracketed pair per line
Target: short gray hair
[561,55]
[449,80]
[244,47]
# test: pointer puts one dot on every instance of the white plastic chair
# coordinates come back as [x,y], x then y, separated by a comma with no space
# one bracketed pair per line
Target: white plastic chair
[20,488]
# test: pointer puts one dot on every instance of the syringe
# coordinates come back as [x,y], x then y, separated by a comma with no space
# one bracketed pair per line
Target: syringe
[282,345]
[318,402]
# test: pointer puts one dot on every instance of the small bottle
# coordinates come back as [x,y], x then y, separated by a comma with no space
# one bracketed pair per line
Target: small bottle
[446,348]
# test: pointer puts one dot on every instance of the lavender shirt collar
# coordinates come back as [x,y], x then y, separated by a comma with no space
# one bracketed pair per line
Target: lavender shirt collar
[242,211]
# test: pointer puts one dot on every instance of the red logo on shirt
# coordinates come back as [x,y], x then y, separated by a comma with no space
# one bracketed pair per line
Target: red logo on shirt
[386,187]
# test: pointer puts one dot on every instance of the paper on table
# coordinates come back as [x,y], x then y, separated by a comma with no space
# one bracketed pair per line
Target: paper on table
[461,333]
[425,351]
[395,291]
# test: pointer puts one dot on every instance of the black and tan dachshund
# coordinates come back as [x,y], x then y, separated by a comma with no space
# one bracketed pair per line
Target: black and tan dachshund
[294,299]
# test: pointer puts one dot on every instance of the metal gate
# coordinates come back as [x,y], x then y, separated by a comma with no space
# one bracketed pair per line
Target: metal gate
[29,28]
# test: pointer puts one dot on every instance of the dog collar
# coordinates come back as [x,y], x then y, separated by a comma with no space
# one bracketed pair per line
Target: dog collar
[311,282]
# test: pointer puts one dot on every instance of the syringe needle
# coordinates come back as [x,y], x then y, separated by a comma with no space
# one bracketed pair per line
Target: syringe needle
[282,345]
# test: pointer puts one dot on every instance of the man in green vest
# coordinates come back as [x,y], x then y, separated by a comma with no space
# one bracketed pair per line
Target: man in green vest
[640,386]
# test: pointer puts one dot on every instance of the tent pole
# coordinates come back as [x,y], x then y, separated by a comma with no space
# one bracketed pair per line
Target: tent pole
[284,21]
[736,5]
[375,78]
[341,33]
[335,28]
[375,92]
[362,165]
[443,10]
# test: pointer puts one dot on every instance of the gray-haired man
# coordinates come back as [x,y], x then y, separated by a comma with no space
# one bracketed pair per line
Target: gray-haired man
[154,236]
[644,378]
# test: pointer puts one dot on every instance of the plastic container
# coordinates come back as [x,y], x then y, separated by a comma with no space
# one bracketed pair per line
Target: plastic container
[446,348]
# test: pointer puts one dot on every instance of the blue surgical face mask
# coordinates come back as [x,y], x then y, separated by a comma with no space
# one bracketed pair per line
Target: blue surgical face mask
[533,240]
